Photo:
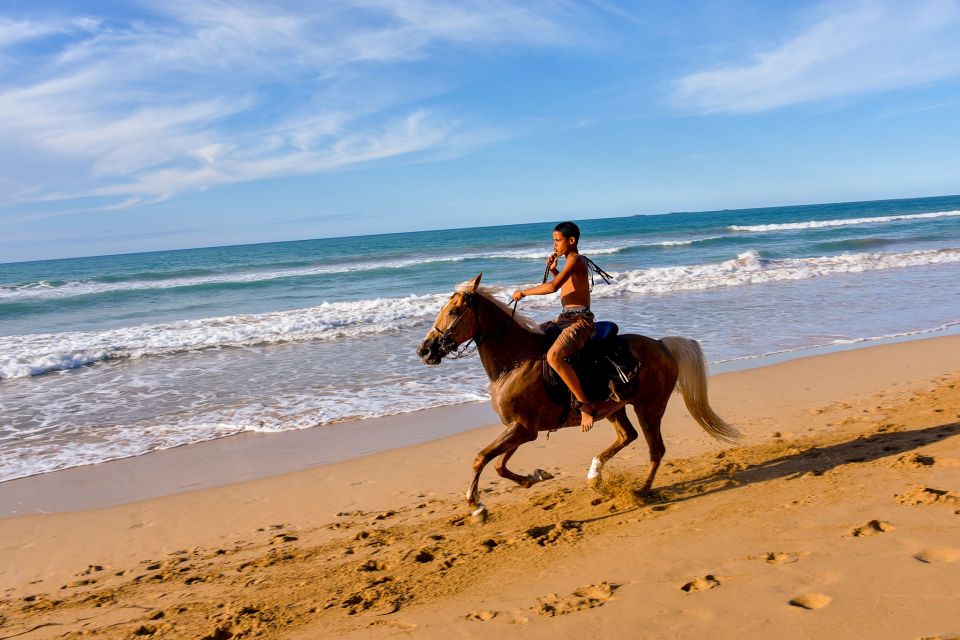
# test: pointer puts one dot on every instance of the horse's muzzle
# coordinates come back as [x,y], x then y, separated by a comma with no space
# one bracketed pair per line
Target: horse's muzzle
[429,351]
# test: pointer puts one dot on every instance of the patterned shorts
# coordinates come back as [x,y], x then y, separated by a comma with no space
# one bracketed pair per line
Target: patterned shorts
[576,329]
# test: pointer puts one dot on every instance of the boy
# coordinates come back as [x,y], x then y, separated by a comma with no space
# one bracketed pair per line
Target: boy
[576,320]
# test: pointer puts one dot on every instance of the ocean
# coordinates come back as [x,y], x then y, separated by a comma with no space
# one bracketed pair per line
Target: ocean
[116,356]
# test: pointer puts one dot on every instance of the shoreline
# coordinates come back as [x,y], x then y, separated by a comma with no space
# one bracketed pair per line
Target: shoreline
[231,459]
[251,456]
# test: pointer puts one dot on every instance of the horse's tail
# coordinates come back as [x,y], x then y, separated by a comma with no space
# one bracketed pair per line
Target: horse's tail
[692,383]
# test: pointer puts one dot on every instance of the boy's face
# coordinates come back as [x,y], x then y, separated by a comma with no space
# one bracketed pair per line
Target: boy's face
[561,245]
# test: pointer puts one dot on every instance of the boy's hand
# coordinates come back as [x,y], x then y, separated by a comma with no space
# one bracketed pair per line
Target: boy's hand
[517,295]
[552,261]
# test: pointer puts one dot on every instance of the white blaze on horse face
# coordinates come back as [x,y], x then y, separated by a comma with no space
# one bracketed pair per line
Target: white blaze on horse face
[594,471]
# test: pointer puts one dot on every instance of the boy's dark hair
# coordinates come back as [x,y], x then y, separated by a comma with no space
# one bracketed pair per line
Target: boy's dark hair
[568,230]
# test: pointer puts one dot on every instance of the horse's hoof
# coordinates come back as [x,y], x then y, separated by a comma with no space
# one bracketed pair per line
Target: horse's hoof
[650,496]
[539,475]
[594,475]
[480,514]
[595,468]
[595,482]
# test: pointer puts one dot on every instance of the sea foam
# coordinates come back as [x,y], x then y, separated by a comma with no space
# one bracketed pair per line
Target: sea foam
[36,354]
[750,268]
[59,290]
[843,222]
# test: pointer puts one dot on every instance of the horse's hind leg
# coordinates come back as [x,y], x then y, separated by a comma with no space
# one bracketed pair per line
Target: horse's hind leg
[511,438]
[538,475]
[625,435]
[650,423]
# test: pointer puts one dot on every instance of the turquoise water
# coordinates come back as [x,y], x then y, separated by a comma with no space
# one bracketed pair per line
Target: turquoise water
[114,356]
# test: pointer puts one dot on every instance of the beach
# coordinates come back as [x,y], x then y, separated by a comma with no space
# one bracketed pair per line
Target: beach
[836,516]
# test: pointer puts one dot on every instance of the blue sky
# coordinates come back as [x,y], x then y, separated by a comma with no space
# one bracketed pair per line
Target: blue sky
[135,126]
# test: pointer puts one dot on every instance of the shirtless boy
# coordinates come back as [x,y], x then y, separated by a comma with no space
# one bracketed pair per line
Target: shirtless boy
[576,320]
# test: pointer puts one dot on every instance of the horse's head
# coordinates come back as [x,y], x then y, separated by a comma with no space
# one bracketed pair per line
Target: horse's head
[455,324]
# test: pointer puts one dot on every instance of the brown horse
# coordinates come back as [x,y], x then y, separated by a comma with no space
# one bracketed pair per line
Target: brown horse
[512,348]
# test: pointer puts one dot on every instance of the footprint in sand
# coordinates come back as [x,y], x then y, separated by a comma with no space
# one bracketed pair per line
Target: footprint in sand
[424,555]
[552,533]
[588,597]
[705,583]
[79,583]
[914,461]
[920,495]
[372,565]
[811,601]
[936,555]
[481,616]
[283,537]
[779,557]
[872,528]
[489,544]
[395,624]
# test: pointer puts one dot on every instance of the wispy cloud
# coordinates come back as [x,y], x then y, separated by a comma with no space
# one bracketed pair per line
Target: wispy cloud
[13,32]
[849,49]
[189,95]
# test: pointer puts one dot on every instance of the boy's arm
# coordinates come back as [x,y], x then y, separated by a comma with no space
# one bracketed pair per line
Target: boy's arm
[553,285]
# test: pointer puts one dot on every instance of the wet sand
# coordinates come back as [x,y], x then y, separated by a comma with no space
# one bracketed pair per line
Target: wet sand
[232,459]
[836,517]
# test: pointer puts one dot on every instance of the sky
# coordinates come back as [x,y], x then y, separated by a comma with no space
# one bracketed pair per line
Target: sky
[137,126]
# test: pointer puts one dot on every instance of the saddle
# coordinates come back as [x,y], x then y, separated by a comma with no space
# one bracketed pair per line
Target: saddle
[604,366]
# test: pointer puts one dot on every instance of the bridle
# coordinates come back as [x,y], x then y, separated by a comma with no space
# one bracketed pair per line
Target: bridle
[446,342]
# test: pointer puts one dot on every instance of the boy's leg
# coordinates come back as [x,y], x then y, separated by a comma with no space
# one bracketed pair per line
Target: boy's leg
[573,337]
[569,376]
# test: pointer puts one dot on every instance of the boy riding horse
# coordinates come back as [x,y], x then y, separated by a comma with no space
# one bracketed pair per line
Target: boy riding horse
[576,320]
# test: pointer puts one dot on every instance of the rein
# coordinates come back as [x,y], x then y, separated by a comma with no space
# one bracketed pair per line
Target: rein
[454,352]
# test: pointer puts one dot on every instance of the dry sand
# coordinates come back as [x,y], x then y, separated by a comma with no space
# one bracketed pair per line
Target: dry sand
[839,516]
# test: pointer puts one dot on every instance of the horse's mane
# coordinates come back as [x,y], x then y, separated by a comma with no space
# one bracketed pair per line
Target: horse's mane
[489,293]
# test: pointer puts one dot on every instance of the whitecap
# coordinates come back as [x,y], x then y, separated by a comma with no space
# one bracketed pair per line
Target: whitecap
[843,222]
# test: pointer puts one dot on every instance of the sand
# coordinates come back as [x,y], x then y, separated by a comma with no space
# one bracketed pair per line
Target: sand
[838,516]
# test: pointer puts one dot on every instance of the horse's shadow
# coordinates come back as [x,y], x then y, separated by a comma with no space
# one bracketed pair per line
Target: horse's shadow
[815,460]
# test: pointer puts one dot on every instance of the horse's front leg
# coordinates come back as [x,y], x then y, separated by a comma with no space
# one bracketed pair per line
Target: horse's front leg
[538,475]
[511,438]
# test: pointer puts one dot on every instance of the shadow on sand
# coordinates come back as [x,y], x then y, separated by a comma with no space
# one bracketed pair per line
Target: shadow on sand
[815,461]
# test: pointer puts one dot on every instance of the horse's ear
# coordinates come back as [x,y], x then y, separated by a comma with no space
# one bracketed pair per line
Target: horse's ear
[476,282]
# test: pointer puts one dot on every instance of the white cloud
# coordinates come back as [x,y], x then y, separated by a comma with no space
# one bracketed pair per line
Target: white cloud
[408,135]
[13,32]
[854,49]
[194,94]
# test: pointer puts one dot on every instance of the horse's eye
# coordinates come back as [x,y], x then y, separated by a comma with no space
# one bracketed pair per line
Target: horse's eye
[456,311]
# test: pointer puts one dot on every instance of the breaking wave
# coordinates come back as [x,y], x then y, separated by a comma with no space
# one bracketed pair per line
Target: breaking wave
[46,289]
[36,354]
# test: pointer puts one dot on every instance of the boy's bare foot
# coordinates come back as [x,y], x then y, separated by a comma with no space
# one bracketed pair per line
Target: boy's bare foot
[586,415]
[586,422]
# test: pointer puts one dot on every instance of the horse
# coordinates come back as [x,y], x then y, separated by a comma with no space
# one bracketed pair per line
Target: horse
[512,348]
